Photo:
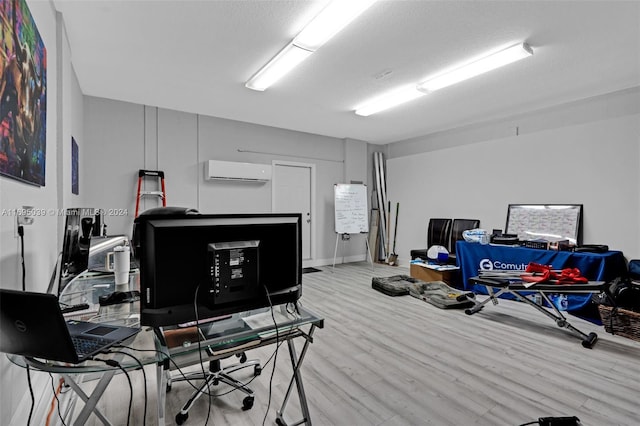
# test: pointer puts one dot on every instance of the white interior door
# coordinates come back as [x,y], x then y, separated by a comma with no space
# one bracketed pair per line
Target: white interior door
[292,193]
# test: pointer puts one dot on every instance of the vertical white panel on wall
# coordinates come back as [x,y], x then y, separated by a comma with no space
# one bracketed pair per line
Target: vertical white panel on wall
[150,157]
[355,170]
[178,156]
[114,152]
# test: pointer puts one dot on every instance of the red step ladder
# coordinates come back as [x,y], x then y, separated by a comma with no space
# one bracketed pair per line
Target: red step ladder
[162,193]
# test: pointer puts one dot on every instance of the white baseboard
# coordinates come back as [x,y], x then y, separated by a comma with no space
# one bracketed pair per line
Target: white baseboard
[329,262]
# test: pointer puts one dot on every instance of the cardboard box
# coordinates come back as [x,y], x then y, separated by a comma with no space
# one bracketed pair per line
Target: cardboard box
[426,274]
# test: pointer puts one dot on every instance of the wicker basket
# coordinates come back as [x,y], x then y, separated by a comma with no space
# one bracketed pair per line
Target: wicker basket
[620,321]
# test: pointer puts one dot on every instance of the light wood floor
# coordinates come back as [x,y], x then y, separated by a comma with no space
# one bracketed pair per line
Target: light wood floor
[384,360]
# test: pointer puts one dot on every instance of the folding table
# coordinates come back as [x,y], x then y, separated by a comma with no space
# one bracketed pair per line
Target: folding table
[521,292]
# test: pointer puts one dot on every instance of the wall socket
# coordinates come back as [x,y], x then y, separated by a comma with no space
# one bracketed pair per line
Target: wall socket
[24,215]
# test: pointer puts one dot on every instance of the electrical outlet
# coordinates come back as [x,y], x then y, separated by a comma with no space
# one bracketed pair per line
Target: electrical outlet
[24,215]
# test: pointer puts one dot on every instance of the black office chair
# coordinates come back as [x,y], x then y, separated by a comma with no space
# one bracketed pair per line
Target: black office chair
[215,375]
[458,227]
[438,234]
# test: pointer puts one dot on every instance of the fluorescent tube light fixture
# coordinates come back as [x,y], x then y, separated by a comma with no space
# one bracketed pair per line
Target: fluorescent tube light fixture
[488,63]
[333,18]
[397,97]
[276,68]
[472,69]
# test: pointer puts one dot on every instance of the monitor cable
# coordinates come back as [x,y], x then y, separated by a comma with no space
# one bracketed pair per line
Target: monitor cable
[182,373]
[114,363]
[204,373]
[55,396]
[24,269]
[24,288]
[144,378]
[275,354]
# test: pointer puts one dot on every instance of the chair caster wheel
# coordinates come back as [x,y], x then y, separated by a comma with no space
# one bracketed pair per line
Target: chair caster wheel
[280,422]
[215,382]
[181,418]
[561,323]
[257,370]
[243,357]
[247,403]
[168,388]
[590,340]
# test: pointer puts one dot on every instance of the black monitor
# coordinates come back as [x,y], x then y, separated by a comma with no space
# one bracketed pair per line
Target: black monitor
[199,266]
[75,244]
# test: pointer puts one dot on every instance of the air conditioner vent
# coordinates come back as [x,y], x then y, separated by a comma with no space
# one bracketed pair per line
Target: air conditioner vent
[231,170]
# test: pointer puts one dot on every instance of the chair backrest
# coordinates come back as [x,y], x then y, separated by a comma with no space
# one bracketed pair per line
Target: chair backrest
[460,225]
[439,232]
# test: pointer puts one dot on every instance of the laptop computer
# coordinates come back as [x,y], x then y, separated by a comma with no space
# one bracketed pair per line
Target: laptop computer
[32,324]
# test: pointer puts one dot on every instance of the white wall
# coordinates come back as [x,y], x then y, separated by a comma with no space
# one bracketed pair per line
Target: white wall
[41,241]
[585,152]
[121,138]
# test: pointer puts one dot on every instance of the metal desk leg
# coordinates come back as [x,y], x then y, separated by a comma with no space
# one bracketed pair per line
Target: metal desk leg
[296,378]
[479,305]
[161,388]
[588,340]
[90,402]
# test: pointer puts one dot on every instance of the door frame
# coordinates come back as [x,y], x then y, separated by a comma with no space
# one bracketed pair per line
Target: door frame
[312,194]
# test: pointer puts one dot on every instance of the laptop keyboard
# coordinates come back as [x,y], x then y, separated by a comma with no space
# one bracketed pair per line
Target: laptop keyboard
[85,346]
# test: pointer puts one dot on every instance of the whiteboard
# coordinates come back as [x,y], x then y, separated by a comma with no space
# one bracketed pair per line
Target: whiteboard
[351,212]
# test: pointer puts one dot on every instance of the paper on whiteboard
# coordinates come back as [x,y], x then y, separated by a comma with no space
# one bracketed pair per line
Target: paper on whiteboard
[351,215]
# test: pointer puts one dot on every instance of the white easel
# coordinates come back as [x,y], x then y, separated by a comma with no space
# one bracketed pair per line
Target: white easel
[351,214]
[335,251]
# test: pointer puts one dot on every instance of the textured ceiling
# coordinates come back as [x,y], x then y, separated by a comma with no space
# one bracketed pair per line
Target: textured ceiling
[195,56]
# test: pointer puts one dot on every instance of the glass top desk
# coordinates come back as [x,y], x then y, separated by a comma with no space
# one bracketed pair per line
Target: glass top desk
[87,287]
[237,333]
[141,348]
[226,336]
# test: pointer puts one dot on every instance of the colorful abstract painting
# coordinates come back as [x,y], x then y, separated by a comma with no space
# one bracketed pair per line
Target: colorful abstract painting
[75,179]
[23,95]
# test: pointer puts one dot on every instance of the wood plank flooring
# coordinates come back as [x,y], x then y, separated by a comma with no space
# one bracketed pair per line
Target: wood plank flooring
[390,361]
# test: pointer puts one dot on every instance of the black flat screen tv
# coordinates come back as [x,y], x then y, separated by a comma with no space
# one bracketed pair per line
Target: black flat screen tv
[200,266]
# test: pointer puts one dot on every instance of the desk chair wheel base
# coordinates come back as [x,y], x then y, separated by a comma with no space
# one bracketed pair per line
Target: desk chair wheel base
[247,403]
[181,418]
[215,376]
[591,339]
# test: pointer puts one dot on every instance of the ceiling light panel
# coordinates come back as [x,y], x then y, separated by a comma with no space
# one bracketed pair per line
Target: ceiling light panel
[287,59]
[472,69]
[333,18]
[488,63]
[397,97]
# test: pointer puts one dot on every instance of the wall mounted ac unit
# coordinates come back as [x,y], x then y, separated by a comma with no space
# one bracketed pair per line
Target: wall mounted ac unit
[231,170]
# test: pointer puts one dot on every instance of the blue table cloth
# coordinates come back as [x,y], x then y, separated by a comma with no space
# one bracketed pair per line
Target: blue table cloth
[474,257]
